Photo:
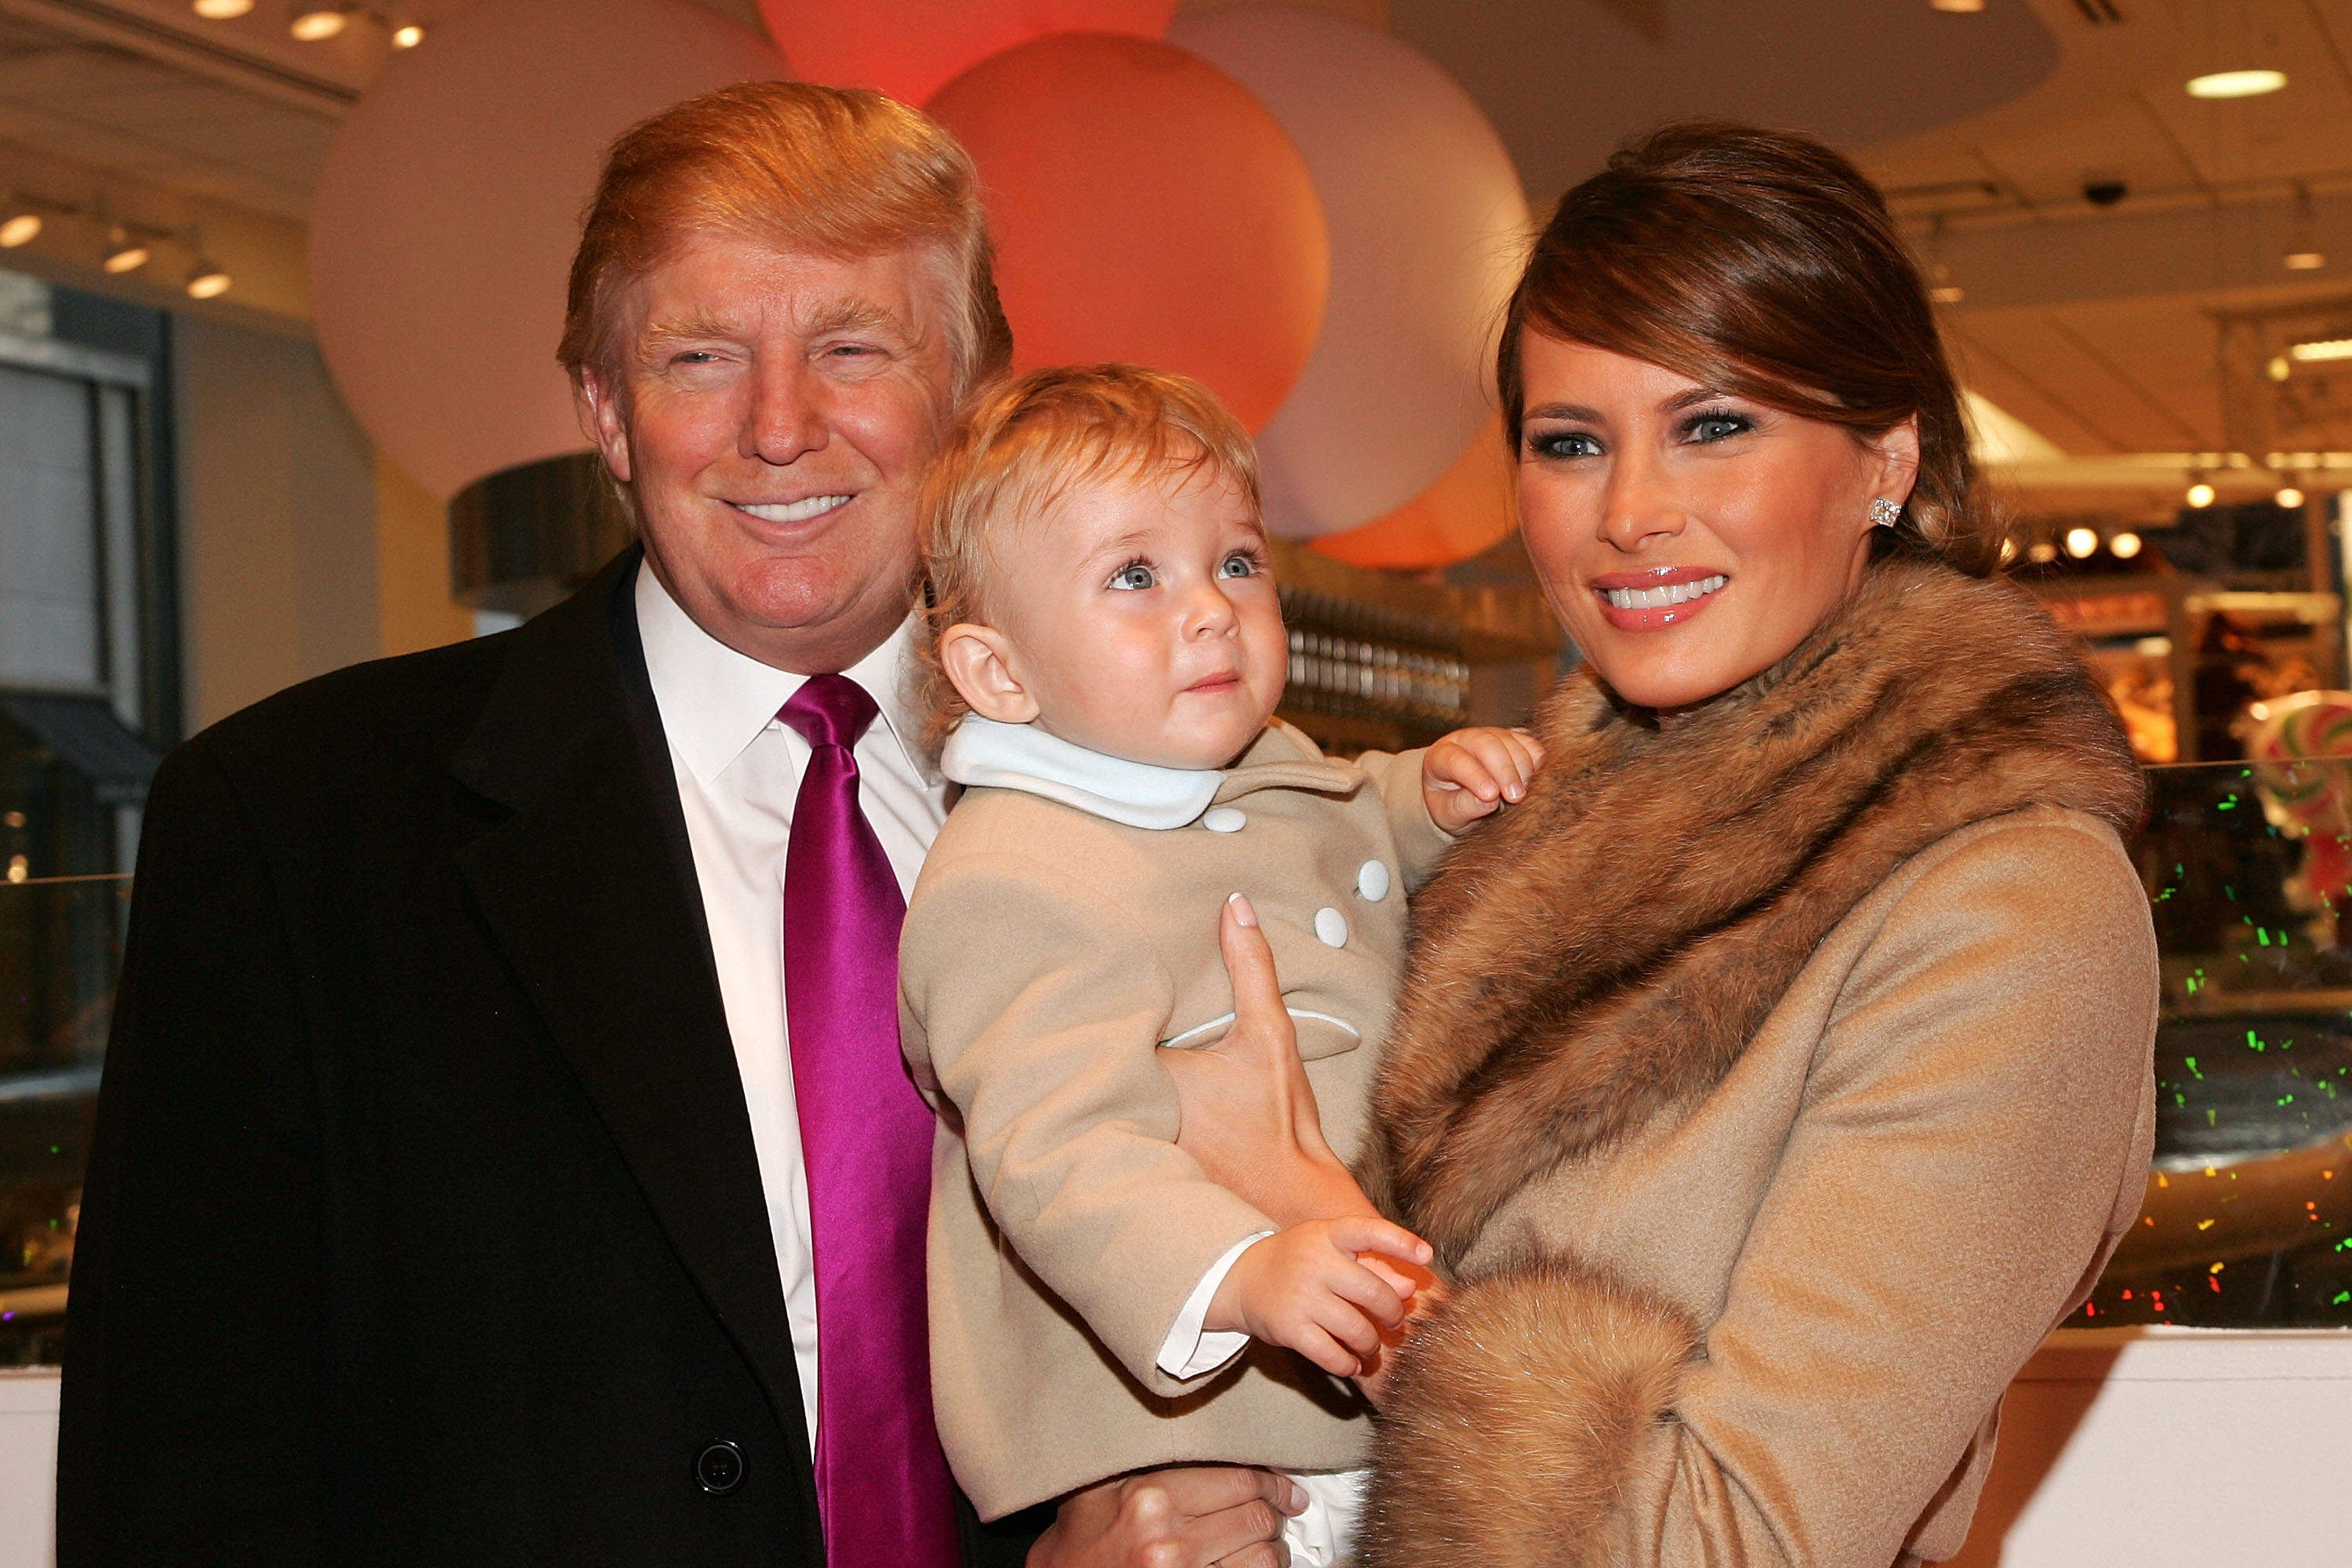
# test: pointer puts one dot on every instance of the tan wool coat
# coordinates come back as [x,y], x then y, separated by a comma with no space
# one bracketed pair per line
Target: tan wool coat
[1772,1082]
[1047,952]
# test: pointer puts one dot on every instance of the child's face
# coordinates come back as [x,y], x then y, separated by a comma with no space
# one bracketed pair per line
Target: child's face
[1137,619]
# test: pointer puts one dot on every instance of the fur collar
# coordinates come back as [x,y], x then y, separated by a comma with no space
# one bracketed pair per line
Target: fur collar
[1606,949]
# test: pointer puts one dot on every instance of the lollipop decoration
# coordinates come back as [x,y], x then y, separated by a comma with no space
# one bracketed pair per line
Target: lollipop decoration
[2306,792]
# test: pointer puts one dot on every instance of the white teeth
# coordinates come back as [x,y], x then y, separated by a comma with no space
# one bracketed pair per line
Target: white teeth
[798,512]
[1666,597]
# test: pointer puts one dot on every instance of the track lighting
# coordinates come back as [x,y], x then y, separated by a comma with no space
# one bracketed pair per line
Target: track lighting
[123,253]
[2201,494]
[221,10]
[2236,83]
[2124,546]
[408,36]
[2289,496]
[319,24]
[21,227]
[207,280]
[2081,543]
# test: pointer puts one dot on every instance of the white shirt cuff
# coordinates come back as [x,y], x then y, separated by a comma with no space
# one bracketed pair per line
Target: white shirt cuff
[1189,1351]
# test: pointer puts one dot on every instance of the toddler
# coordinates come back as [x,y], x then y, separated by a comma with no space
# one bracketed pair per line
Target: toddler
[1102,657]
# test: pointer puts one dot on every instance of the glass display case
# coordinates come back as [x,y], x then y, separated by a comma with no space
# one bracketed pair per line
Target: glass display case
[2248,1219]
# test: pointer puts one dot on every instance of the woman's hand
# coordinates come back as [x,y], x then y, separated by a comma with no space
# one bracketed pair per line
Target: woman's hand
[1246,1112]
[1472,773]
[1192,1516]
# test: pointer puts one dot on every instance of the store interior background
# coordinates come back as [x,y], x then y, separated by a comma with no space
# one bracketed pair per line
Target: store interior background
[2125,273]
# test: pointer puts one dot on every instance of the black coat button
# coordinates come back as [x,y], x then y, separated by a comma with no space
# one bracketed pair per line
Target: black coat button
[718,1468]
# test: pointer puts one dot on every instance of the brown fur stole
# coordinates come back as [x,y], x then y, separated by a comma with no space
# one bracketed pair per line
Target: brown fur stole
[1607,949]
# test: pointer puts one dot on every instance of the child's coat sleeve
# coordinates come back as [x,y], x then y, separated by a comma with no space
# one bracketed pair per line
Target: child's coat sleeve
[1035,1006]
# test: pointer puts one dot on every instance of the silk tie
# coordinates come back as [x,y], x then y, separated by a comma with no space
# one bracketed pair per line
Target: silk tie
[882,1484]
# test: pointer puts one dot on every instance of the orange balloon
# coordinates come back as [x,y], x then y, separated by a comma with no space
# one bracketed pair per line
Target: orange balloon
[1471,509]
[1145,207]
[910,49]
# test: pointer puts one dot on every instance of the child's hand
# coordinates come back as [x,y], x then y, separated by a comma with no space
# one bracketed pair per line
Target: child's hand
[1304,1289]
[1471,772]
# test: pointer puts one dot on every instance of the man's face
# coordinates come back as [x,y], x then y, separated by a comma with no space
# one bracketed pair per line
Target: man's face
[772,416]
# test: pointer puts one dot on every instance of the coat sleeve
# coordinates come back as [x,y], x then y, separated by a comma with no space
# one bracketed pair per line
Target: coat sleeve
[191,1423]
[1039,1007]
[1978,1100]
[1421,844]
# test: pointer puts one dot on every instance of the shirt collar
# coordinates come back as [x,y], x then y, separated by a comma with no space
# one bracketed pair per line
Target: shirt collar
[986,754]
[715,701]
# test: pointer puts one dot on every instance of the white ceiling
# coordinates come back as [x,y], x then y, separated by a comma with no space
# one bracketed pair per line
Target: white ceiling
[2099,328]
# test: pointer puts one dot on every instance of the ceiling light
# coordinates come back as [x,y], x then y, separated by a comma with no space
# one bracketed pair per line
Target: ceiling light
[2201,495]
[2321,349]
[2081,542]
[1941,288]
[2279,368]
[207,279]
[318,23]
[2303,252]
[124,254]
[2041,553]
[2124,546]
[1962,6]
[2008,551]
[408,36]
[2305,260]
[19,229]
[2236,84]
[2288,497]
[221,10]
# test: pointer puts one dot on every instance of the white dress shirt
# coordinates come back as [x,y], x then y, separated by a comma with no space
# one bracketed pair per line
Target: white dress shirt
[738,773]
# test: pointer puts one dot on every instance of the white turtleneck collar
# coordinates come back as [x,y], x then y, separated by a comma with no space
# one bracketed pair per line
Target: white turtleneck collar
[983,753]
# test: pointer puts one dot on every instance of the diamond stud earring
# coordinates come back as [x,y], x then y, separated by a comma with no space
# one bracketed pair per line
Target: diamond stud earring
[1884,512]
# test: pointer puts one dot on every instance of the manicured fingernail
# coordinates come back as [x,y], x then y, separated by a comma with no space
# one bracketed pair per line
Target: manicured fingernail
[1243,914]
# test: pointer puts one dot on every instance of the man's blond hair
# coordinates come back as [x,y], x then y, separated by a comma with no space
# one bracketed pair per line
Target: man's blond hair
[830,172]
[1022,446]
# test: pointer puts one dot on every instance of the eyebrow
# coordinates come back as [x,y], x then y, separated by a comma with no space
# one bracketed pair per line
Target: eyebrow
[1583,415]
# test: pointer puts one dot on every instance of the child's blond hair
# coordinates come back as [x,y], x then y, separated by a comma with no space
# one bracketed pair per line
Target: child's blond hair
[1022,445]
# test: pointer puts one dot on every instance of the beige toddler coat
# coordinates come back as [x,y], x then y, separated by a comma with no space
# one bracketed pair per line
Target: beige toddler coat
[1047,952]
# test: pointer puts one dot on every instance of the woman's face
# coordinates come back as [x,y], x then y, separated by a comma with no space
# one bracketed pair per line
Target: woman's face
[1686,538]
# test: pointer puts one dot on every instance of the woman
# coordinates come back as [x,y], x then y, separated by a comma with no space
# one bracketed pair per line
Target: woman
[1778,1075]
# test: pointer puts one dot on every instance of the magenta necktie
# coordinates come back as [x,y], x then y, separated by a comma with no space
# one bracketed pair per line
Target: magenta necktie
[882,1484]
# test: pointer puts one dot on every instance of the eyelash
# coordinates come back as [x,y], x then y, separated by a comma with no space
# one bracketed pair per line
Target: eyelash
[1247,559]
[1549,446]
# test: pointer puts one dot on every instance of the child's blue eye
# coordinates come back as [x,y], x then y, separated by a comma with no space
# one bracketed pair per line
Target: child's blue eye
[1134,574]
[1237,565]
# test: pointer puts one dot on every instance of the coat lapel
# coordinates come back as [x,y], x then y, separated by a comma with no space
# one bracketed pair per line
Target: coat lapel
[589,890]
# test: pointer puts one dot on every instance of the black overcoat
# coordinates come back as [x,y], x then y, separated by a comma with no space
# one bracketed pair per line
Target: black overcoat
[423,1222]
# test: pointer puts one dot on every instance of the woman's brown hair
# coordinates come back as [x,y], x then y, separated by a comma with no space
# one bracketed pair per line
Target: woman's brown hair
[1765,265]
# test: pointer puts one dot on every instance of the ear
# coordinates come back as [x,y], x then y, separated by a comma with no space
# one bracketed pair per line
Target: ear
[1897,452]
[596,399]
[979,662]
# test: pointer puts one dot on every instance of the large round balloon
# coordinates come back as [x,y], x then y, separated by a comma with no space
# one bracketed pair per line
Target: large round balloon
[1145,207]
[449,208]
[1470,509]
[910,49]
[1428,226]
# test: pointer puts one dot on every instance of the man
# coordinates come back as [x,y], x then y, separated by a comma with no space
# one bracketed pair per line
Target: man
[502,1156]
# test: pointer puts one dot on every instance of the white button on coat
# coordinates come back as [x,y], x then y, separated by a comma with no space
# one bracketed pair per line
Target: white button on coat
[1224,819]
[1372,880]
[1331,926]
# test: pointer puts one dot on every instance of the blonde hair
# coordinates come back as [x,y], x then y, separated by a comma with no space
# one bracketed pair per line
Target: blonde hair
[830,171]
[1023,446]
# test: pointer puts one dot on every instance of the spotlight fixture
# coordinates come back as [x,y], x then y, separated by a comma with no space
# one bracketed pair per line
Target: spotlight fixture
[2124,546]
[124,254]
[408,36]
[19,228]
[2288,497]
[221,10]
[2320,351]
[2303,252]
[207,280]
[2279,368]
[2236,83]
[319,24]
[1942,289]
[1958,7]
[2041,553]
[2201,494]
[2081,543]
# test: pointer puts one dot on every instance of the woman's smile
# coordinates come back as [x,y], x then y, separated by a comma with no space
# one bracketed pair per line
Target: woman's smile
[1660,597]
